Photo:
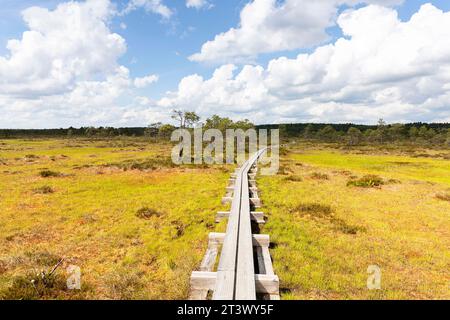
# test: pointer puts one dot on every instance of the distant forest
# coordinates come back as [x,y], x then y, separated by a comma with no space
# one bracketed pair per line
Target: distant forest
[351,134]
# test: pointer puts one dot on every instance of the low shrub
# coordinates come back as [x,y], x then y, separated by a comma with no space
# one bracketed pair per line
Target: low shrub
[123,284]
[443,196]
[293,178]
[43,190]
[147,213]
[319,176]
[367,181]
[35,286]
[43,258]
[314,209]
[49,174]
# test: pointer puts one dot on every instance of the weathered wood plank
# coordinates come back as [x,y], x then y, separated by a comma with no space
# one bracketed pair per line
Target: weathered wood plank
[256,202]
[209,259]
[258,217]
[258,240]
[267,260]
[268,284]
[245,269]
[226,200]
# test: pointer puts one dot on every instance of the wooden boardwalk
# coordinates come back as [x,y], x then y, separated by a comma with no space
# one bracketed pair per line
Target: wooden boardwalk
[245,269]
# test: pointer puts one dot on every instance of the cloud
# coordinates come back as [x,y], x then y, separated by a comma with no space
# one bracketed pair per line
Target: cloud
[61,47]
[153,6]
[198,4]
[64,70]
[145,81]
[271,26]
[383,68]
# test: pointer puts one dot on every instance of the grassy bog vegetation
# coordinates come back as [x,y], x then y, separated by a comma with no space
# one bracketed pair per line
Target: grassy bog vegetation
[134,224]
[137,225]
[336,210]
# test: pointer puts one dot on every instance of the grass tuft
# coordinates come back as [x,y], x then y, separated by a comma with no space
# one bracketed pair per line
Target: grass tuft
[123,285]
[319,176]
[43,190]
[35,286]
[293,178]
[368,181]
[314,209]
[43,258]
[147,213]
[49,174]
[443,196]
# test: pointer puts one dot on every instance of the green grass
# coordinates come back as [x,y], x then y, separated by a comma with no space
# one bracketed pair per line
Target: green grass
[325,234]
[137,227]
[96,216]
[393,166]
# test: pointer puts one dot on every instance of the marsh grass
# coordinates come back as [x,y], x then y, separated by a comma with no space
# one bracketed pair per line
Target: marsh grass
[146,164]
[35,286]
[294,178]
[91,219]
[124,284]
[147,213]
[316,210]
[319,176]
[44,190]
[443,196]
[49,174]
[367,181]
[326,214]
[318,254]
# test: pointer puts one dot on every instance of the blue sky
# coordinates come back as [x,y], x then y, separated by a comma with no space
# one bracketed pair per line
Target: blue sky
[162,46]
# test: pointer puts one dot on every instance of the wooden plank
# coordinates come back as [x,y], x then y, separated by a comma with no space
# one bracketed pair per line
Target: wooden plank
[256,202]
[226,271]
[258,217]
[245,269]
[258,240]
[235,274]
[198,294]
[209,259]
[226,200]
[267,261]
[268,284]
[201,280]
[260,259]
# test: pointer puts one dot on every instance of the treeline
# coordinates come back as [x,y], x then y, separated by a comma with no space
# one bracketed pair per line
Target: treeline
[418,133]
[68,132]
[351,134]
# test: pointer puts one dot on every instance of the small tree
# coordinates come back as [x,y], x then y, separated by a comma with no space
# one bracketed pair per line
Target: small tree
[327,133]
[354,136]
[381,131]
[190,118]
[165,131]
[308,133]
[185,118]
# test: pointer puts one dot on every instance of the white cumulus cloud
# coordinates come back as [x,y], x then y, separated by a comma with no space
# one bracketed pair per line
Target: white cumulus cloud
[64,70]
[271,26]
[198,4]
[145,81]
[154,6]
[383,68]
[61,47]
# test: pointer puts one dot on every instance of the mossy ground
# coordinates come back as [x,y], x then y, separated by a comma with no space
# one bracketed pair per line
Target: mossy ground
[91,217]
[137,227]
[326,233]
